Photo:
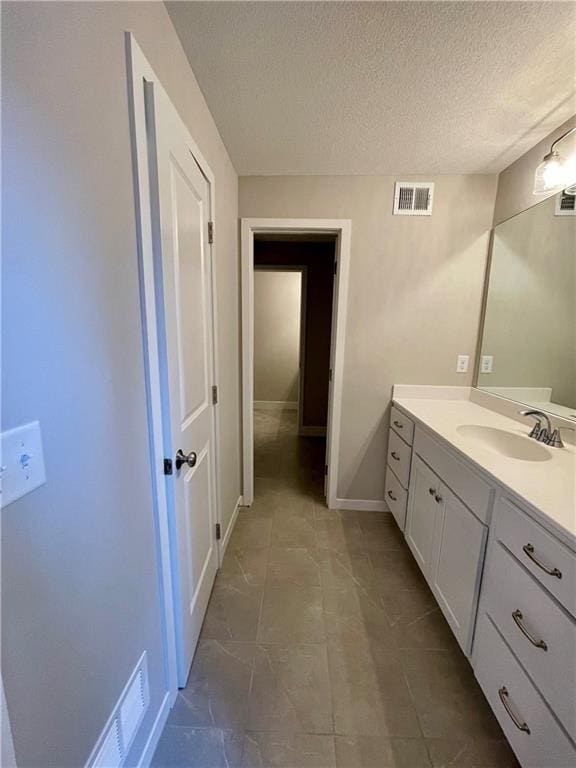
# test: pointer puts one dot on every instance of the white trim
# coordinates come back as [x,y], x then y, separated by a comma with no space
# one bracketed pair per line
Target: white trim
[362,505]
[140,72]
[155,732]
[312,431]
[342,228]
[275,405]
[226,538]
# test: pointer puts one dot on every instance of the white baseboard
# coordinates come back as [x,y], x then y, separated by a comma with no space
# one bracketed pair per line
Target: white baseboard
[226,538]
[362,505]
[312,431]
[155,732]
[275,405]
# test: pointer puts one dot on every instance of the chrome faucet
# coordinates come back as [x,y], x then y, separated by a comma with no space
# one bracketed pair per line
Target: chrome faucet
[545,434]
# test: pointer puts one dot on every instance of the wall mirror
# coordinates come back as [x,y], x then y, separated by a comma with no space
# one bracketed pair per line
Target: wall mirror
[528,349]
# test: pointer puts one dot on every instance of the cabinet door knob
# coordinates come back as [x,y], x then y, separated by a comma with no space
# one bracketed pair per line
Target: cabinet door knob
[438,498]
[432,491]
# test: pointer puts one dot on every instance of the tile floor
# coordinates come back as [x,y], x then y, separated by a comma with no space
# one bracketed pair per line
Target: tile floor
[322,645]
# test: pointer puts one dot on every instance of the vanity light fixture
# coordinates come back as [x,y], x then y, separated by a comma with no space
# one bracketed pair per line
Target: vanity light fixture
[555,172]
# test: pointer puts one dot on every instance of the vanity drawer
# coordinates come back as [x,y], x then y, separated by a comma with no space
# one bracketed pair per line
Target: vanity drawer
[547,559]
[516,703]
[402,425]
[396,498]
[474,492]
[399,456]
[517,604]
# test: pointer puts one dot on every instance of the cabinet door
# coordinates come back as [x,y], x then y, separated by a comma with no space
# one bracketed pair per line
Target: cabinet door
[422,512]
[458,555]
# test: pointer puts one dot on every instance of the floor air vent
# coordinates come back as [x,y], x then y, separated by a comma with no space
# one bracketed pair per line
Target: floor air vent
[413,198]
[118,734]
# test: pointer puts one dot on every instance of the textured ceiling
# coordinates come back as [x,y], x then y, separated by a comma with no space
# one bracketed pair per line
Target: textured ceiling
[381,88]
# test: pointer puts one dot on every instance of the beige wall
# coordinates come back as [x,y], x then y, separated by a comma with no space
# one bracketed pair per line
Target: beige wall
[277,297]
[530,325]
[515,183]
[80,587]
[414,295]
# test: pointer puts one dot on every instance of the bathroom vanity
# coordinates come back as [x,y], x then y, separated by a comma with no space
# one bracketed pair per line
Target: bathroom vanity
[490,517]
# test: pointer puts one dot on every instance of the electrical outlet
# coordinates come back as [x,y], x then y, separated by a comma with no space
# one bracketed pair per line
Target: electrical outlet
[486,363]
[462,364]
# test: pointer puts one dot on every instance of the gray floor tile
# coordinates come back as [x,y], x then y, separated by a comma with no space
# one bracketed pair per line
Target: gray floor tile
[293,565]
[340,535]
[288,750]
[181,747]
[291,690]
[291,614]
[369,691]
[218,686]
[293,531]
[447,697]
[341,570]
[250,532]
[355,614]
[471,753]
[247,565]
[396,569]
[379,752]
[233,612]
[416,621]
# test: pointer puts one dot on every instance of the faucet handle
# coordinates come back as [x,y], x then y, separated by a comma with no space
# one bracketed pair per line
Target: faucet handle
[536,430]
[555,439]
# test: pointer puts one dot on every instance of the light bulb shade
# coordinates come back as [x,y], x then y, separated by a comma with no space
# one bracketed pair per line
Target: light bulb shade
[551,174]
[571,190]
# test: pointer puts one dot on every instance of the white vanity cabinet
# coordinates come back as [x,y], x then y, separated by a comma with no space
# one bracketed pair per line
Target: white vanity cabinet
[398,461]
[524,654]
[448,543]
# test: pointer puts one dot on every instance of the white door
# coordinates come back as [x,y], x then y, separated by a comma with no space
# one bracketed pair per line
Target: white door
[422,512]
[182,212]
[460,540]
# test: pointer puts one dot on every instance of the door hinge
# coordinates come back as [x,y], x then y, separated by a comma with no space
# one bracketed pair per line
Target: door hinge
[214,394]
[218,532]
[330,375]
[167,466]
[335,266]
[326,469]
[210,231]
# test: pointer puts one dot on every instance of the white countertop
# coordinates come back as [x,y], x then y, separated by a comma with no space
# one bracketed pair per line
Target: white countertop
[548,486]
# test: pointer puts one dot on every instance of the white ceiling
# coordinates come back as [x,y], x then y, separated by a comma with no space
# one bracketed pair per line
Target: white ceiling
[381,87]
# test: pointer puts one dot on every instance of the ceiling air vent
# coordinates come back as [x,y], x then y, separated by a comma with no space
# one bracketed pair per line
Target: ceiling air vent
[565,205]
[413,198]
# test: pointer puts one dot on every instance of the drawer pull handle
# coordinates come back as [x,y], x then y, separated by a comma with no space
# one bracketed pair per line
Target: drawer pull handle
[395,456]
[518,618]
[529,551]
[392,496]
[399,424]
[503,693]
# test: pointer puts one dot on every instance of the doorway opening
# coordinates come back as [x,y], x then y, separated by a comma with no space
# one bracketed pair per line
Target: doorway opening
[294,286]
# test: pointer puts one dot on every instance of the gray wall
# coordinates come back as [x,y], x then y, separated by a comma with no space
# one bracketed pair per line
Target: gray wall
[414,295]
[277,305]
[80,589]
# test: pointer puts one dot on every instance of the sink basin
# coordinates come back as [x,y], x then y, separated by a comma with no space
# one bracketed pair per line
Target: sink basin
[504,443]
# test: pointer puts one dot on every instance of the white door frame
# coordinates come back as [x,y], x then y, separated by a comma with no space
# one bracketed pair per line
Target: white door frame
[342,229]
[141,75]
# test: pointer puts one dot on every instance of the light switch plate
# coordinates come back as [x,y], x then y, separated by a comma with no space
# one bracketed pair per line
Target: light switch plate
[21,462]
[462,364]
[486,363]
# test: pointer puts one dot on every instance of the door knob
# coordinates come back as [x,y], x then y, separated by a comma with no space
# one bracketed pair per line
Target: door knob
[183,458]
